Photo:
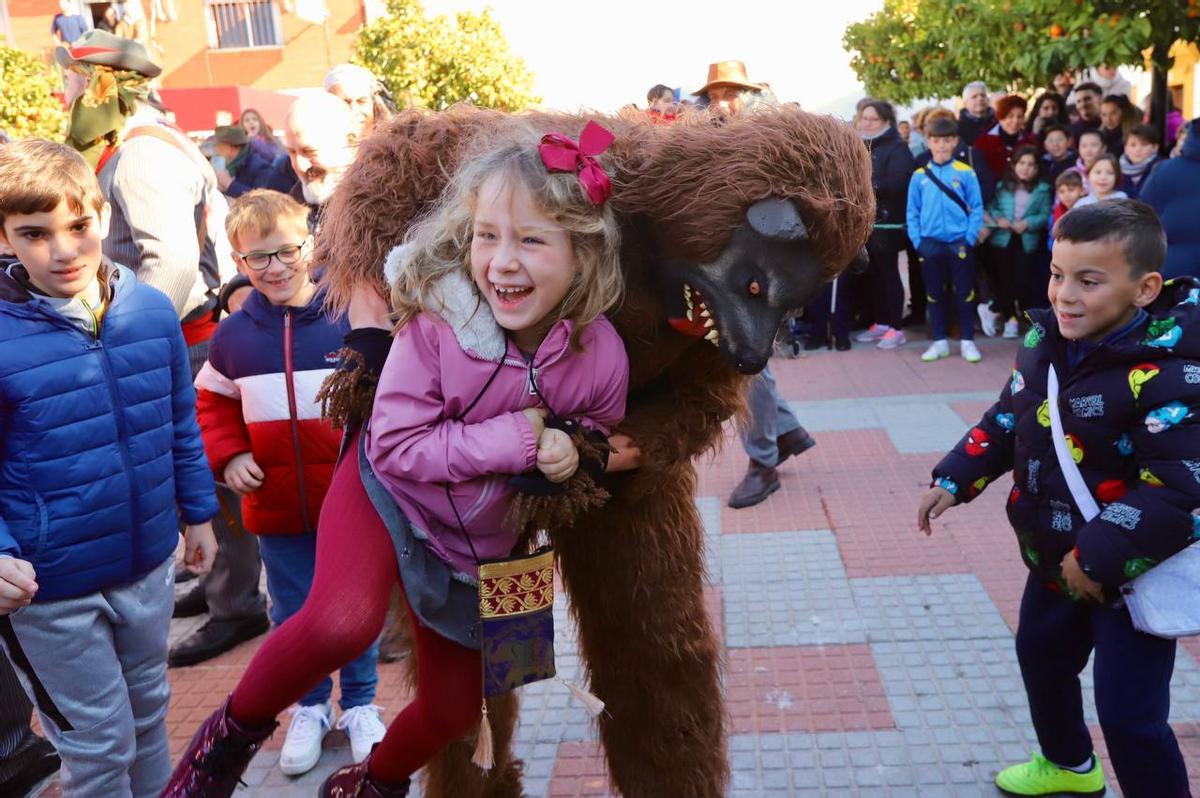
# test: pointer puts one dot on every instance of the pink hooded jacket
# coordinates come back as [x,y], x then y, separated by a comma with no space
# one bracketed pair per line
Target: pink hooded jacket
[438,367]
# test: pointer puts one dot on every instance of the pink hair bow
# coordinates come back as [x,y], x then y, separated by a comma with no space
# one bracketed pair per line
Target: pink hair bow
[560,154]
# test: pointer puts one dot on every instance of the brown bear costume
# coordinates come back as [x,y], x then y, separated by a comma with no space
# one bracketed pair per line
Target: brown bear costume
[726,227]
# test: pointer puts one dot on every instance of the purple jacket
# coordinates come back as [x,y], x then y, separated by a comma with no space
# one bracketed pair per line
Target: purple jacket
[437,369]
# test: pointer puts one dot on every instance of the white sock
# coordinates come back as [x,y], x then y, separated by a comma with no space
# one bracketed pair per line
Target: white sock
[1088,764]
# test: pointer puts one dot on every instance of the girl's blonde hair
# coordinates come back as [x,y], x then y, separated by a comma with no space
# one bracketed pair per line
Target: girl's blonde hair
[440,242]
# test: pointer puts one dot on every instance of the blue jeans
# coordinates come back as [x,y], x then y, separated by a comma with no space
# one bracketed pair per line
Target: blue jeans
[1132,671]
[943,263]
[290,561]
[770,417]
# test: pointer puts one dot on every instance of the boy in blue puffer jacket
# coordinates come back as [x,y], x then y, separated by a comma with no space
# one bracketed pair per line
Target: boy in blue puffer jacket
[945,215]
[100,456]
[1126,349]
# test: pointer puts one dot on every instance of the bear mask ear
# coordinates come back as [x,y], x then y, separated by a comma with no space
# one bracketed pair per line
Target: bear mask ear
[776,218]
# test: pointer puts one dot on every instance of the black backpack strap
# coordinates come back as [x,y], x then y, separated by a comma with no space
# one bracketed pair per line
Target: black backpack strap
[949,192]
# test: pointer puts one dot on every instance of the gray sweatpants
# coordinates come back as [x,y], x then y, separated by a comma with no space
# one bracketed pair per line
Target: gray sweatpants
[96,669]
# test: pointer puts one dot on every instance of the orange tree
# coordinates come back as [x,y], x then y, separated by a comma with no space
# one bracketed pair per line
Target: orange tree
[915,49]
[28,107]
[435,61]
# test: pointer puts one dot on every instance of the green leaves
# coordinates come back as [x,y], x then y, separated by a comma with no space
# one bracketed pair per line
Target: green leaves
[28,107]
[434,62]
[918,49]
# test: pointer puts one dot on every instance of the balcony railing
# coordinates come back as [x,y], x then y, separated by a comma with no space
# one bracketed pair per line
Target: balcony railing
[242,24]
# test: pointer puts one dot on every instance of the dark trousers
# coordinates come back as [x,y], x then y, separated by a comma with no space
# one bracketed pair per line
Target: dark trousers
[1132,674]
[830,315]
[887,289]
[1014,278]
[949,265]
[15,712]
[231,587]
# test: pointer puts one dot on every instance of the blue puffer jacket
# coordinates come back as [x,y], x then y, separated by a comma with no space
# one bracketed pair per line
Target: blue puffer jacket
[98,438]
[1130,409]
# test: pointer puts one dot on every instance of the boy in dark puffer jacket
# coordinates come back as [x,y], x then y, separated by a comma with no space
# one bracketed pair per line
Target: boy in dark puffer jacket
[1127,352]
[265,438]
[100,456]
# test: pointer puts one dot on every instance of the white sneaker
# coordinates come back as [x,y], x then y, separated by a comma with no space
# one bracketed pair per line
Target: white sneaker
[892,339]
[872,333]
[364,727]
[302,748]
[987,320]
[937,350]
[1011,330]
[970,352]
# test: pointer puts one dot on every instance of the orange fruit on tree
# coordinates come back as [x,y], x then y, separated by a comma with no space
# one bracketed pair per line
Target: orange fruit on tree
[1056,31]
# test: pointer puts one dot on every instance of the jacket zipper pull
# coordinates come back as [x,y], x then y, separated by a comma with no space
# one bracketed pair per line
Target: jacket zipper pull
[533,381]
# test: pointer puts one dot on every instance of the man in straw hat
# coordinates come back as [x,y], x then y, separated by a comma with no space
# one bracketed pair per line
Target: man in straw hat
[772,433]
[728,91]
[168,225]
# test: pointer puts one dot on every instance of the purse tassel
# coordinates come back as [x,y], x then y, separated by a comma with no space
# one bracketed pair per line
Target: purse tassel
[591,703]
[485,755]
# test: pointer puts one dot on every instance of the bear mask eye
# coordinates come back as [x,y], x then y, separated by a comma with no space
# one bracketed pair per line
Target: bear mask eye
[755,288]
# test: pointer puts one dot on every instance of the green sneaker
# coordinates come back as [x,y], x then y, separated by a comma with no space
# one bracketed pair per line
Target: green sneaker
[1040,776]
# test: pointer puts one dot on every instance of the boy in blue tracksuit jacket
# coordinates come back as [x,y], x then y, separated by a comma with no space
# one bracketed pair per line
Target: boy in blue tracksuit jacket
[1126,349]
[100,457]
[944,232]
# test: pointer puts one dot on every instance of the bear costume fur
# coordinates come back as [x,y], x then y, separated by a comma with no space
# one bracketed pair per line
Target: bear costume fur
[684,195]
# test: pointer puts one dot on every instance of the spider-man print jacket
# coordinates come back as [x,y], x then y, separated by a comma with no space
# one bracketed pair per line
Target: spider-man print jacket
[1130,409]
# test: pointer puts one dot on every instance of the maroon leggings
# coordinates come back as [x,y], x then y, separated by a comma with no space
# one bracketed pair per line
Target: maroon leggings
[344,613]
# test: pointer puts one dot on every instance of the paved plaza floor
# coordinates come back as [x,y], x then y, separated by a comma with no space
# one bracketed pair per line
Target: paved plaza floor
[862,658]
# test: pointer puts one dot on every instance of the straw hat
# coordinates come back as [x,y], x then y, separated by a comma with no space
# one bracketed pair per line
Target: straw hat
[728,73]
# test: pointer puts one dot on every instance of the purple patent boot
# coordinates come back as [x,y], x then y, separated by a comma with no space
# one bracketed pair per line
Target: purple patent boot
[354,782]
[214,761]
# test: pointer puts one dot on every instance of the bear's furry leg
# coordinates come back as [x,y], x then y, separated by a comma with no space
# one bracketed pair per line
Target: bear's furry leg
[451,774]
[635,575]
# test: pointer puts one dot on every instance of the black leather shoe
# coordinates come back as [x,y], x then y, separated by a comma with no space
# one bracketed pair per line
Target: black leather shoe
[759,483]
[190,604]
[842,343]
[215,638]
[36,762]
[790,444]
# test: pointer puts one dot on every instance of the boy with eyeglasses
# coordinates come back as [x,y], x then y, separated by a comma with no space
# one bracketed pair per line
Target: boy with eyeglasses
[265,438]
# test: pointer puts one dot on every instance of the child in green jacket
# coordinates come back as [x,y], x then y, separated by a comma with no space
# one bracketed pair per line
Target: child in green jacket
[1017,218]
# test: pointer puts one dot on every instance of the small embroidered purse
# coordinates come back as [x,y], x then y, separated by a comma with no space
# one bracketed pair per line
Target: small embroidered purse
[516,614]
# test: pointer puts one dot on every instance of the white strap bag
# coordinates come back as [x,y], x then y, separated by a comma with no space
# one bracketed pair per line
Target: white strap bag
[1164,601]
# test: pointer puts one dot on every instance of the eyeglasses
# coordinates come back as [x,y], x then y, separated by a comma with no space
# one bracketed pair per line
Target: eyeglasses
[260,261]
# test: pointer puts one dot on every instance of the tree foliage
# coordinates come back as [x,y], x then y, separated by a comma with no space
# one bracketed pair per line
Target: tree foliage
[914,49]
[433,62]
[28,107]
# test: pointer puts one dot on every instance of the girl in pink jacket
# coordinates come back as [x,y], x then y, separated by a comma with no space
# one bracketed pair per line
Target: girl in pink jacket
[495,334]
[500,346]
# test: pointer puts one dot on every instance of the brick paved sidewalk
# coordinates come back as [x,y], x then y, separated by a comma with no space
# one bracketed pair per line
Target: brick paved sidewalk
[862,658]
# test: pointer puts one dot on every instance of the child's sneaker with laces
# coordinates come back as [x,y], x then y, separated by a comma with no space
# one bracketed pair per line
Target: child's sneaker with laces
[364,727]
[892,339]
[873,333]
[987,319]
[936,351]
[1040,776]
[302,747]
[1011,330]
[970,352]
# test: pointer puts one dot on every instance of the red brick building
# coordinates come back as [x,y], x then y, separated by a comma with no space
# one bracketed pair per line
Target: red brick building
[228,45]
